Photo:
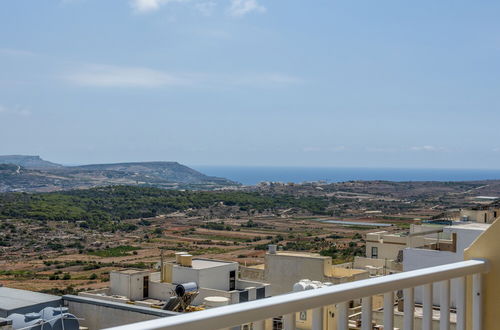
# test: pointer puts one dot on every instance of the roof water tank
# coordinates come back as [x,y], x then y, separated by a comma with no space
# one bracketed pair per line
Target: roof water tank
[272,248]
[182,289]
[178,256]
[186,260]
[211,302]
[55,317]
[30,321]
[299,286]
[311,286]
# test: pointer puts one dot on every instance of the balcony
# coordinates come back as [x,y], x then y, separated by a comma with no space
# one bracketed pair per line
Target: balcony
[476,292]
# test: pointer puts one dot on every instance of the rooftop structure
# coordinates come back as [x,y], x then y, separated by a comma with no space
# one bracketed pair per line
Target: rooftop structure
[282,269]
[23,301]
[213,282]
[482,213]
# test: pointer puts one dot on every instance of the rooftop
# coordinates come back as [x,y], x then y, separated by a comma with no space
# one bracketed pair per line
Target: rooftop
[132,271]
[208,263]
[12,299]
[471,226]
[300,254]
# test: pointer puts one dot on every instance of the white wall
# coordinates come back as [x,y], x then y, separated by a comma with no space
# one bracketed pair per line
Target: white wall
[184,275]
[217,277]
[97,314]
[282,271]
[421,258]
[211,277]
[128,285]
[465,237]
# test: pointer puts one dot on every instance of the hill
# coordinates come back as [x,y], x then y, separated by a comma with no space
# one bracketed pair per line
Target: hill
[28,174]
[169,171]
[31,162]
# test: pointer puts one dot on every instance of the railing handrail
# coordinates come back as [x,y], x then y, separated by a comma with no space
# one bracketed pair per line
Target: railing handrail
[236,314]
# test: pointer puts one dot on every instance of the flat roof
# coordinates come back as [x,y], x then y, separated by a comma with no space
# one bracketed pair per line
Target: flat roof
[207,263]
[472,225]
[299,254]
[12,299]
[131,271]
[259,266]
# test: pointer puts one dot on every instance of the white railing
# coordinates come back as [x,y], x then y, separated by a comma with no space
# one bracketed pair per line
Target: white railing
[288,305]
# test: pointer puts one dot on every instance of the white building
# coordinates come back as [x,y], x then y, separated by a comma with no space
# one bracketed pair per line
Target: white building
[214,278]
[282,269]
[386,245]
[462,237]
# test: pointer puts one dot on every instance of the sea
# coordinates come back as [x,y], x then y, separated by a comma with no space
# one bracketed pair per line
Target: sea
[251,175]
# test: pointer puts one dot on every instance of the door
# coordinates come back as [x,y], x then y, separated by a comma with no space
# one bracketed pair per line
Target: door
[145,287]
[232,280]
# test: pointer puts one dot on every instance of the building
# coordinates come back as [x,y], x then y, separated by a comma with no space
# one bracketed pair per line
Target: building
[212,277]
[481,214]
[21,309]
[386,245]
[104,313]
[23,301]
[282,269]
[146,295]
[476,308]
[435,255]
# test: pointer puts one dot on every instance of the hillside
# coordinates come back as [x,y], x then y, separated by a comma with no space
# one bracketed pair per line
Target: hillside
[31,162]
[27,174]
[105,207]
[168,171]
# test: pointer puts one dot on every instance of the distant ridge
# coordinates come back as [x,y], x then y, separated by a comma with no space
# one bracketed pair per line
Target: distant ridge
[33,174]
[30,162]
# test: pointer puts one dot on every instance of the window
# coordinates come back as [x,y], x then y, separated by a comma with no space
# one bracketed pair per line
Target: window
[278,323]
[374,252]
[261,293]
[243,296]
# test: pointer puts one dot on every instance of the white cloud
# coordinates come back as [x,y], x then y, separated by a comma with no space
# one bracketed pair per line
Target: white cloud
[113,76]
[15,111]
[144,6]
[206,8]
[15,52]
[426,148]
[237,8]
[240,8]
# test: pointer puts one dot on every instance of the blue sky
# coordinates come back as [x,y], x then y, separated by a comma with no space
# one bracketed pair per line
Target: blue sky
[252,82]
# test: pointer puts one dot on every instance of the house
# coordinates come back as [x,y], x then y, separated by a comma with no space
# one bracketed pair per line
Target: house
[282,269]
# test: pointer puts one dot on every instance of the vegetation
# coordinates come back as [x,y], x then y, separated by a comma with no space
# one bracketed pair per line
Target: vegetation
[344,254]
[118,251]
[217,226]
[103,208]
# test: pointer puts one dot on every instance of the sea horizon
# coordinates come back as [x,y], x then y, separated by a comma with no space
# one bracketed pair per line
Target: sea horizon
[251,175]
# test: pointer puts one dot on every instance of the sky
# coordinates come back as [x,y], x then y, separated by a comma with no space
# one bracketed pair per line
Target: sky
[328,83]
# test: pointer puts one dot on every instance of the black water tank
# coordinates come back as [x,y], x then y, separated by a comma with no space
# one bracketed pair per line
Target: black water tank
[181,289]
